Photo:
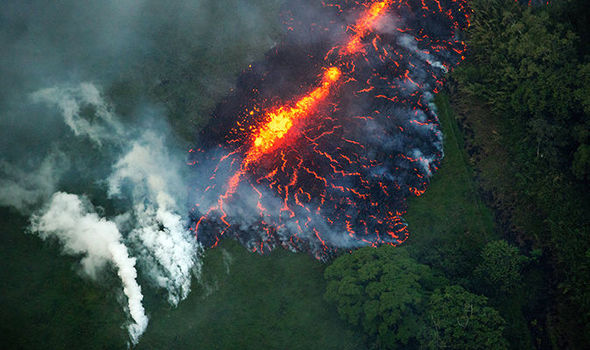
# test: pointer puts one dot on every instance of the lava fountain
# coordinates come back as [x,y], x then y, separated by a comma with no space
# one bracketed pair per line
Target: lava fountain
[323,140]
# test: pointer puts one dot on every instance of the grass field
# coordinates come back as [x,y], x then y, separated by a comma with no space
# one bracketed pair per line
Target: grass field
[243,301]
[451,209]
[248,301]
[450,224]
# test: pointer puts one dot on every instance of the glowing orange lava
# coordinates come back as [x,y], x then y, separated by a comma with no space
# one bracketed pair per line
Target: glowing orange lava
[278,124]
[364,25]
[281,120]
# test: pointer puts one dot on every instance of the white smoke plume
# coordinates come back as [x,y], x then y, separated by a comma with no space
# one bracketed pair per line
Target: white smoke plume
[142,44]
[152,174]
[81,231]
[145,172]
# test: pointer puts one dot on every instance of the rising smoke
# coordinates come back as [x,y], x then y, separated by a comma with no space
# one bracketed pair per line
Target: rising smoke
[74,223]
[84,87]
[85,92]
[147,173]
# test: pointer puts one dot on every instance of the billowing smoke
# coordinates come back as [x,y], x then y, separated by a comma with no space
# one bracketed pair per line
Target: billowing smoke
[26,189]
[87,93]
[155,183]
[70,100]
[148,175]
[340,176]
[74,223]
[86,89]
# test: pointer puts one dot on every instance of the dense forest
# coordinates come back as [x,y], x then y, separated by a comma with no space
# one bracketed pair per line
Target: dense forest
[519,108]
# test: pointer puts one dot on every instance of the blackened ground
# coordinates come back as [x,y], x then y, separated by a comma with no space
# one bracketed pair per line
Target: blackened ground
[373,142]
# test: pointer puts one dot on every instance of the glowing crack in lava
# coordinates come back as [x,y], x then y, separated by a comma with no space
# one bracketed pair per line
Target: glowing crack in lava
[277,125]
[322,141]
[282,119]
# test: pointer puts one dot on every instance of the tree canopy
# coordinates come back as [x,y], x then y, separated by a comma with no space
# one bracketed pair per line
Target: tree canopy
[383,290]
[458,319]
[501,266]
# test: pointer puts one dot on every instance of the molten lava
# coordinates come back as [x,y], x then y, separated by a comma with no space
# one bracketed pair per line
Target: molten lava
[364,25]
[332,167]
[280,121]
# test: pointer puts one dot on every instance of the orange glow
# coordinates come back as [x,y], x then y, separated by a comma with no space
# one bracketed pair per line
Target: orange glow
[277,122]
[364,25]
[281,119]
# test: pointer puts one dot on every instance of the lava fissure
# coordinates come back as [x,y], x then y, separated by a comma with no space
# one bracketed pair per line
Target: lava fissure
[331,167]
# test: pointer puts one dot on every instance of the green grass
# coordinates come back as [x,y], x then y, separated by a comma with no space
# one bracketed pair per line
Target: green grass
[248,301]
[451,209]
[45,303]
[450,224]
[242,301]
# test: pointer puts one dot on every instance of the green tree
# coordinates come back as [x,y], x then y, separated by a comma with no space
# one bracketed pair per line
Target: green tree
[530,66]
[458,319]
[382,290]
[501,266]
[581,164]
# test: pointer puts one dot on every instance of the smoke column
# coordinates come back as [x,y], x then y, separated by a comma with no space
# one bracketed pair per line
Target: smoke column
[154,181]
[82,231]
[141,170]
[147,174]
[87,93]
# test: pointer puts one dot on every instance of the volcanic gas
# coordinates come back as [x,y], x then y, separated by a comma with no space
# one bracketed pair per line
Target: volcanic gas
[323,140]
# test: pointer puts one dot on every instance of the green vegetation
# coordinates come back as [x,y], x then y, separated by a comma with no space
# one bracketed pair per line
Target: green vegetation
[501,266]
[450,226]
[499,252]
[458,319]
[520,143]
[381,290]
[242,301]
[248,301]
[393,299]
[45,303]
[449,223]
[529,70]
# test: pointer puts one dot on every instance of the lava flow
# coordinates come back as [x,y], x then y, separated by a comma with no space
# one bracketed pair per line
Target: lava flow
[278,124]
[331,167]
[281,120]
